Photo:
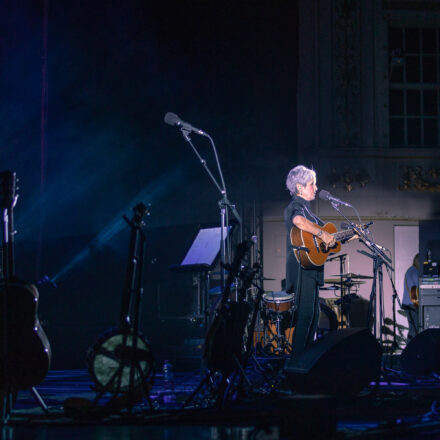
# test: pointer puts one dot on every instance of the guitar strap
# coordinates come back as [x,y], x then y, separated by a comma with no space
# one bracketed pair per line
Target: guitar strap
[315,217]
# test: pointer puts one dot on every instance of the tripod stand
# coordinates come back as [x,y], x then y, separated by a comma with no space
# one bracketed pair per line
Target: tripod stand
[223,351]
[121,361]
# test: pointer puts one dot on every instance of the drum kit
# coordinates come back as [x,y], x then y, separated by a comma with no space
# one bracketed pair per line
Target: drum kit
[278,312]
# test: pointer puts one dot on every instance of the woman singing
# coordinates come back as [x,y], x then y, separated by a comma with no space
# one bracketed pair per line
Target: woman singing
[304,283]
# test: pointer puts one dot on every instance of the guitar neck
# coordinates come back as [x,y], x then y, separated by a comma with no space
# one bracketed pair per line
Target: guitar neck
[342,235]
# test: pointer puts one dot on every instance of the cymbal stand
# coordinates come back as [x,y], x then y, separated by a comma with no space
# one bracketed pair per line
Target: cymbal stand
[410,316]
[375,309]
[343,285]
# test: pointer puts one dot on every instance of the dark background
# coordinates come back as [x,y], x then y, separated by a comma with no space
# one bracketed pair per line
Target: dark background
[114,68]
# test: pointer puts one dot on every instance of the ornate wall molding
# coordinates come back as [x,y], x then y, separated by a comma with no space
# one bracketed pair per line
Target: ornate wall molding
[348,178]
[419,179]
[347,61]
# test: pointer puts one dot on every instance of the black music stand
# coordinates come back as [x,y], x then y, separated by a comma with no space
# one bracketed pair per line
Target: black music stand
[201,258]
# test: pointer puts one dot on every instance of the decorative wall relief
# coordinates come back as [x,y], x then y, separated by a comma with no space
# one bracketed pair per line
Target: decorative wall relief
[347,64]
[348,178]
[419,179]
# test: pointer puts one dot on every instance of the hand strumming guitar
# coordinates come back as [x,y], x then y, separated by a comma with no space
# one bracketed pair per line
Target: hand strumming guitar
[306,225]
[328,239]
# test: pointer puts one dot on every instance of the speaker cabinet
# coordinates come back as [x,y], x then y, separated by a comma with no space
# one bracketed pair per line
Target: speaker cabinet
[421,356]
[429,314]
[340,363]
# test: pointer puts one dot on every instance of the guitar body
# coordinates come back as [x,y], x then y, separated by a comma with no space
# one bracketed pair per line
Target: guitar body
[28,351]
[318,251]
[224,340]
[414,296]
[24,349]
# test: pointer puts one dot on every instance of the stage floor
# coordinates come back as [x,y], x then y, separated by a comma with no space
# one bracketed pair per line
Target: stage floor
[393,409]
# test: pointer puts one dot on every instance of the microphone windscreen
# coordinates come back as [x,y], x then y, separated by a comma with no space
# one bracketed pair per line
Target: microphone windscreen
[323,194]
[171,118]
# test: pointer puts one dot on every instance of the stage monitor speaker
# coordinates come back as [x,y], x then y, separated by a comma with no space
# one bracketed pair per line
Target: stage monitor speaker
[421,356]
[340,363]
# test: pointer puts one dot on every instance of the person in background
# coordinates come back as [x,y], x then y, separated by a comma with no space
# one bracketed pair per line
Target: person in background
[411,297]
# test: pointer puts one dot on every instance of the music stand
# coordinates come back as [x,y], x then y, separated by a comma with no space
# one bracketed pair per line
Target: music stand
[201,258]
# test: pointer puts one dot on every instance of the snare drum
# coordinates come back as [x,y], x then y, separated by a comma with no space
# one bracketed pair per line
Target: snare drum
[278,302]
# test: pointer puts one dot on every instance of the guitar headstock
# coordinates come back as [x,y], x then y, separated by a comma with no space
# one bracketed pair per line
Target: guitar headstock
[8,187]
[140,211]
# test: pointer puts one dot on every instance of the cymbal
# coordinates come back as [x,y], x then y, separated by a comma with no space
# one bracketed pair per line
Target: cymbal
[344,282]
[354,276]
[329,288]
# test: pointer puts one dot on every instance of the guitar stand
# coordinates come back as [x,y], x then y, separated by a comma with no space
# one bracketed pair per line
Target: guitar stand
[40,401]
[129,353]
[119,401]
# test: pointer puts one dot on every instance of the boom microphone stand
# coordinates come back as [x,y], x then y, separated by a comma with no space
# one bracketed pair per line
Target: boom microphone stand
[224,203]
[375,309]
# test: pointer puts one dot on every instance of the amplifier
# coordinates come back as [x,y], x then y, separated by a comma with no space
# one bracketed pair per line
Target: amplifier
[429,303]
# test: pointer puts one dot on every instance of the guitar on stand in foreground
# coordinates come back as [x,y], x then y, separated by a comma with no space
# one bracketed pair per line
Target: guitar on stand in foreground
[25,350]
[224,343]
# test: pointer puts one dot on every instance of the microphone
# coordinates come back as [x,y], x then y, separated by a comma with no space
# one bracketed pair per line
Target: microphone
[323,194]
[173,119]
[382,248]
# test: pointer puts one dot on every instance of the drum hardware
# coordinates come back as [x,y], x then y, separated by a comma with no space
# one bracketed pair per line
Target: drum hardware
[121,361]
[328,320]
[347,282]
[276,306]
[354,276]
[345,305]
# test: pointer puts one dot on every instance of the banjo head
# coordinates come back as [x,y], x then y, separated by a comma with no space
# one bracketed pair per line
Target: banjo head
[111,358]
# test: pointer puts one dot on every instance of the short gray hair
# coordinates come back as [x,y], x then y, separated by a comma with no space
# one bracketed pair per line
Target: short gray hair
[300,175]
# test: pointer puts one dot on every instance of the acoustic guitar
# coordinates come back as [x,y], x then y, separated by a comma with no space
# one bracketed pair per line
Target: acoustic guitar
[24,348]
[318,250]
[224,338]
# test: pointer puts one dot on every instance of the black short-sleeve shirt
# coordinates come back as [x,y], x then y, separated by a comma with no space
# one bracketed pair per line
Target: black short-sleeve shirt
[298,206]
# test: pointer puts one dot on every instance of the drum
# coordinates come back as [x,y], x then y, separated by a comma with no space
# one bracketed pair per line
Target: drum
[328,320]
[278,302]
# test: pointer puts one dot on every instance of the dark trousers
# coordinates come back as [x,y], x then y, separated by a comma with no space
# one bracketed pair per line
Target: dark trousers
[413,322]
[306,311]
